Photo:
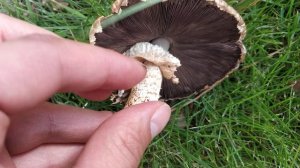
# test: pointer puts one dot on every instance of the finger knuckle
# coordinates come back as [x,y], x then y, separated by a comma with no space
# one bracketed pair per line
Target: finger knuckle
[4,124]
[51,126]
[4,121]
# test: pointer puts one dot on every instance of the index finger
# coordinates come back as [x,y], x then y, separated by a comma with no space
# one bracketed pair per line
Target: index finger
[11,28]
[35,67]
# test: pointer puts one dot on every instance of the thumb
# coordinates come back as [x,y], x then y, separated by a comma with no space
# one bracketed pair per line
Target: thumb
[122,139]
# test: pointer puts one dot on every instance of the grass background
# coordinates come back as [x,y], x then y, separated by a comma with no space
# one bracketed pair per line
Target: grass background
[252,119]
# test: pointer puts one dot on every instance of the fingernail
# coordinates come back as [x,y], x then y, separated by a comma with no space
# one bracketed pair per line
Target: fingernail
[160,119]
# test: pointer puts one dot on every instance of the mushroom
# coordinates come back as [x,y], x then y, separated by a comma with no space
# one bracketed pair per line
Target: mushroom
[198,43]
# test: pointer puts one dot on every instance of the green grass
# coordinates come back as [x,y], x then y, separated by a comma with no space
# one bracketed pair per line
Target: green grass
[252,119]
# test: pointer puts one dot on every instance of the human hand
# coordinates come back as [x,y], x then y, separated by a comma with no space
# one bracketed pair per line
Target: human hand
[35,64]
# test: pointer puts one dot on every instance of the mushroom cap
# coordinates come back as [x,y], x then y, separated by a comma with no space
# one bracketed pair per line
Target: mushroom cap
[206,36]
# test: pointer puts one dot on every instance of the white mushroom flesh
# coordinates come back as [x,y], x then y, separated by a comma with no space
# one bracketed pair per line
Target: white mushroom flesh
[148,89]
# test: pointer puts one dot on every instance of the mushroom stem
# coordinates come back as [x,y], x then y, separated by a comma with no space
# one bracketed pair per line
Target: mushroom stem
[148,89]
[128,12]
[159,63]
[162,42]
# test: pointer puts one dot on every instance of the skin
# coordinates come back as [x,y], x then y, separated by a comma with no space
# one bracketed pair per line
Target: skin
[34,65]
